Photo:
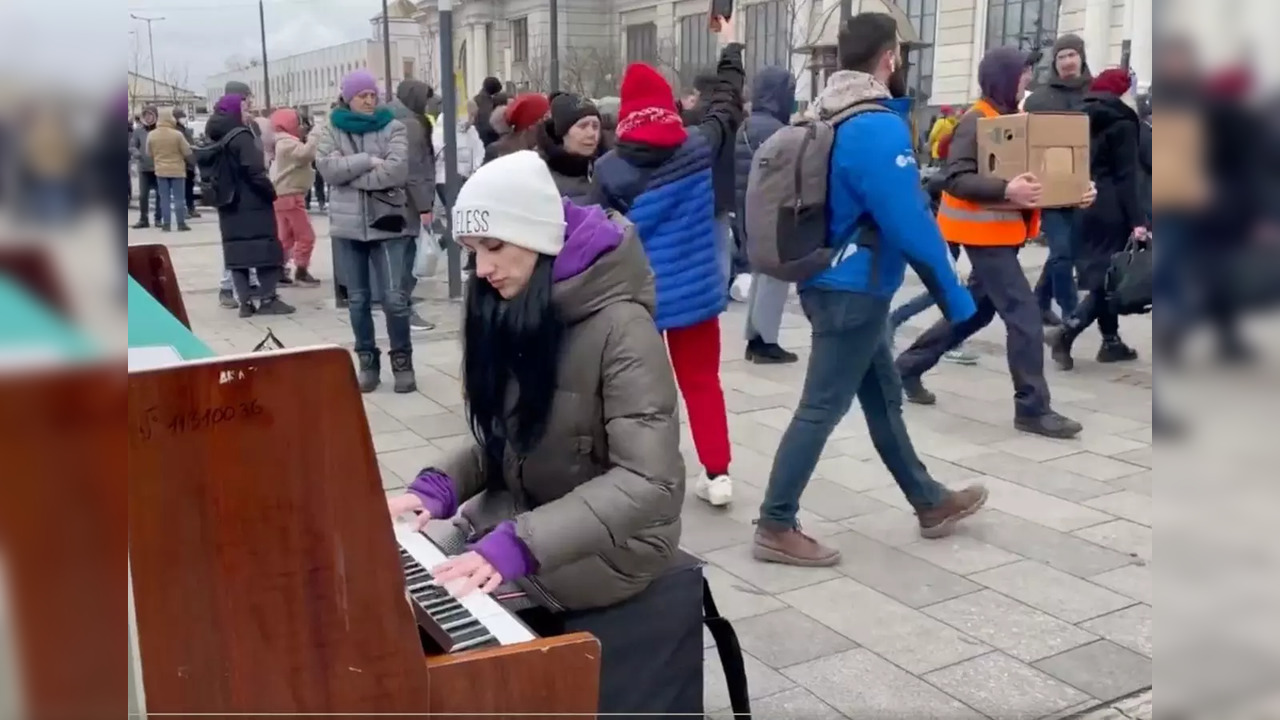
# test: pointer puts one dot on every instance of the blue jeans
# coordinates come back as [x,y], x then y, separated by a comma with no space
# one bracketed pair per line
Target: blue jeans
[1057,278]
[392,260]
[172,200]
[850,358]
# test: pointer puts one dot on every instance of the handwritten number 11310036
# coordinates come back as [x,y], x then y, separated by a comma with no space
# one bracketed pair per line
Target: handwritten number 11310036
[196,419]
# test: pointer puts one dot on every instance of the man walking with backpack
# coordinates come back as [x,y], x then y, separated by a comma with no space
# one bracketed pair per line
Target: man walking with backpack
[873,220]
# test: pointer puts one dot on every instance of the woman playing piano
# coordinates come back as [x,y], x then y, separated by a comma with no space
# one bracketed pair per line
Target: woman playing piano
[575,482]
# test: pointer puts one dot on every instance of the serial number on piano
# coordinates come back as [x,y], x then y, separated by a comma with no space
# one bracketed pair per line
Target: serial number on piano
[197,420]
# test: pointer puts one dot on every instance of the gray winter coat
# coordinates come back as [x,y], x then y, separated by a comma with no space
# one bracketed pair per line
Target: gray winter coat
[347,164]
[421,182]
[138,149]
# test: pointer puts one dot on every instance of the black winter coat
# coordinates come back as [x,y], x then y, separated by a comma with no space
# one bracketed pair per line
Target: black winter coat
[572,173]
[773,94]
[1059,95]
[248,222]
[1114,164]
[721,128]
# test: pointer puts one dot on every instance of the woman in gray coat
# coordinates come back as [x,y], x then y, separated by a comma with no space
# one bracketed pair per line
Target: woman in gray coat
[363,156]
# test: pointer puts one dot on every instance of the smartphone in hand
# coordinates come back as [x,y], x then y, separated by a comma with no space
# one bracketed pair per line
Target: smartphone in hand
[720,9]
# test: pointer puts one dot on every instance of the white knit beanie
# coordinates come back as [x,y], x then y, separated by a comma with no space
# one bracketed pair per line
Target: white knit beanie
[513,199]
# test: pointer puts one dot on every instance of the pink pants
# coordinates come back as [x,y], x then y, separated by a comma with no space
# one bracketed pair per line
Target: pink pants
[294,227]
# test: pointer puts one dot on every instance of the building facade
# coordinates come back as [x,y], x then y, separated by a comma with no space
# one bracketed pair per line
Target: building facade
[310,81]
[510,39]
[144,92]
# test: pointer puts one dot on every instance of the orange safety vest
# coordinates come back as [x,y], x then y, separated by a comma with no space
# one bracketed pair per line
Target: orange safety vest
[969,223]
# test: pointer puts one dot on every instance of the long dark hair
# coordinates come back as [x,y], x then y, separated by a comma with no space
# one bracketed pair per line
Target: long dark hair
[504,342]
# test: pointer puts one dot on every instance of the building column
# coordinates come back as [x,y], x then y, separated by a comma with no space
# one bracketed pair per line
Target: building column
[1097,33]
[980,8]
[1138,32]
[479,46]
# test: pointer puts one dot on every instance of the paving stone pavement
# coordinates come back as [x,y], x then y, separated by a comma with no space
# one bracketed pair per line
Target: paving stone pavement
[1039,607]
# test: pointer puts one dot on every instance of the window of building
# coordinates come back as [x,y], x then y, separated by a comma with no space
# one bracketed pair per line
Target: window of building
[520,40]
[697,51]
[642,43]
[408,68]
[766,30]
[1025,24]
[924,17]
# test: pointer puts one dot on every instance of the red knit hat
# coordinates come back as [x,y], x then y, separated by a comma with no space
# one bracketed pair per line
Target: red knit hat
[1114,81]
[648,114]
[526,111]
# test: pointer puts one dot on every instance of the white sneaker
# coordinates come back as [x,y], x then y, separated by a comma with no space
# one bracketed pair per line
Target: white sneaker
[741,288]
[718,491]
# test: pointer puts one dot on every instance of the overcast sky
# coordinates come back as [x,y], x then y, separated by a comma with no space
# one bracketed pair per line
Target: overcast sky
[197,37]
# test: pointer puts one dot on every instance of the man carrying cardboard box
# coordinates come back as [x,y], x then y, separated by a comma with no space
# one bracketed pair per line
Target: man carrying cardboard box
[993,218]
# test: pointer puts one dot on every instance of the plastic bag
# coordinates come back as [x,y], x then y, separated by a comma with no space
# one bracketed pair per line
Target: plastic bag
[427,258]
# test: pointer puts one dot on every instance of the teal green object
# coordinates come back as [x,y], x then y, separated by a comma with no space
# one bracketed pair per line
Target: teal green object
[29,326]
[350,121]
[150,324]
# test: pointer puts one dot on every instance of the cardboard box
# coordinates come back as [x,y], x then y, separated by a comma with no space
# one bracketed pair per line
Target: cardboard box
[1181,182]
[1053,147]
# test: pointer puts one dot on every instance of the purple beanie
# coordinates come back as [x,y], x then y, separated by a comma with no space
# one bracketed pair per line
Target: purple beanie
[230,104]
[357,82]
[998,76]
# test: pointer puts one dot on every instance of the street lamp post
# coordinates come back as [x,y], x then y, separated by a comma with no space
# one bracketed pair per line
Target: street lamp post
[846,11]
[266,73]
[386,47]
[555,45]
[151,49]
[450,91]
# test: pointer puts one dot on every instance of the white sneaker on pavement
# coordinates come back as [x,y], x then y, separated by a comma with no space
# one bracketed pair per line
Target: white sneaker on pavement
[740,289]
[717,491]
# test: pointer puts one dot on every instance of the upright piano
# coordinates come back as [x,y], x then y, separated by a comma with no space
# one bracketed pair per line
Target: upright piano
[267,576]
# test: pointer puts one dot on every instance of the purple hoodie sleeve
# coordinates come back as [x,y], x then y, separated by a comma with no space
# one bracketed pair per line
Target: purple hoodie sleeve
[506,552]
[435,489]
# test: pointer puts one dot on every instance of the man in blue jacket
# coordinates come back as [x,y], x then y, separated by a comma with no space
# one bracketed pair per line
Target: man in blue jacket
[874,182]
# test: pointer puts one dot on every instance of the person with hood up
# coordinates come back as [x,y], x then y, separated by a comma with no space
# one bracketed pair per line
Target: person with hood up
[874,187]
[470,151]
[973,215]
[1065,92]
[293,174]
[485,103]
[226,287]
[569,142]
[146,167]
[558,316]
[522,117]
[170,152]
[246,213]
[943,128]
[772,96]
[1111,222]
[410,108]
[660,177]
[364,153]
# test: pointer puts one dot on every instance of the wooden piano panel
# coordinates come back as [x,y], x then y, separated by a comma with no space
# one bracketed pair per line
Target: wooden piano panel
[34,270]
[63,537]
[555,676]
[151,267]
[266,576]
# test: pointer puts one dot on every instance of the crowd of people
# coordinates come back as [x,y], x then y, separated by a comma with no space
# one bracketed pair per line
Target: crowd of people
[604,240]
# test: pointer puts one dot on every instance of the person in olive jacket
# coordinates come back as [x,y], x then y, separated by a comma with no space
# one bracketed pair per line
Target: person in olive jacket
[561,306]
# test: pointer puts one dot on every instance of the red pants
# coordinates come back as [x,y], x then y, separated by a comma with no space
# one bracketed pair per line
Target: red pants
[296,234]
[695,358]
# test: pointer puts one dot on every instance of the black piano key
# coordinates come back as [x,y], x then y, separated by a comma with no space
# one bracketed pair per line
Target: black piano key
[469,633]
[449,614]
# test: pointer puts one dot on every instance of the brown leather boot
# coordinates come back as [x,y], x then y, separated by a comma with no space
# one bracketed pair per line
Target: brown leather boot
[792,547]
[958,505]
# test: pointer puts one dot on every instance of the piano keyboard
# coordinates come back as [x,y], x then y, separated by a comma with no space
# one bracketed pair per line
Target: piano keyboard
[456,624]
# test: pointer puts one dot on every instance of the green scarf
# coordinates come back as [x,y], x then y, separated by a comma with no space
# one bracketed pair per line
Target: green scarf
[349,121]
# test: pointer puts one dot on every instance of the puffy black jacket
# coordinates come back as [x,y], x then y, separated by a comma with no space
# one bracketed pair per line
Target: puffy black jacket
[1114,164]
[725,85]
[773,94]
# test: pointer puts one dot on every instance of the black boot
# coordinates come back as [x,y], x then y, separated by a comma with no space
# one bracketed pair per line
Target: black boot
[916,393]
[763,353]
[247,309]
[227,299]
[1059,340]
[369,375]
[1050,424]
[285,277]
[275,306]
[1114,350]
[402,371]
[303,277]
[141,224]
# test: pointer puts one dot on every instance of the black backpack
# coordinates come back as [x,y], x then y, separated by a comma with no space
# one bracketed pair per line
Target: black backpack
[216,171]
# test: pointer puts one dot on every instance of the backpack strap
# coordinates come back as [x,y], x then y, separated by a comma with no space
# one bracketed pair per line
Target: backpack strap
[735,669]
[854,110]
